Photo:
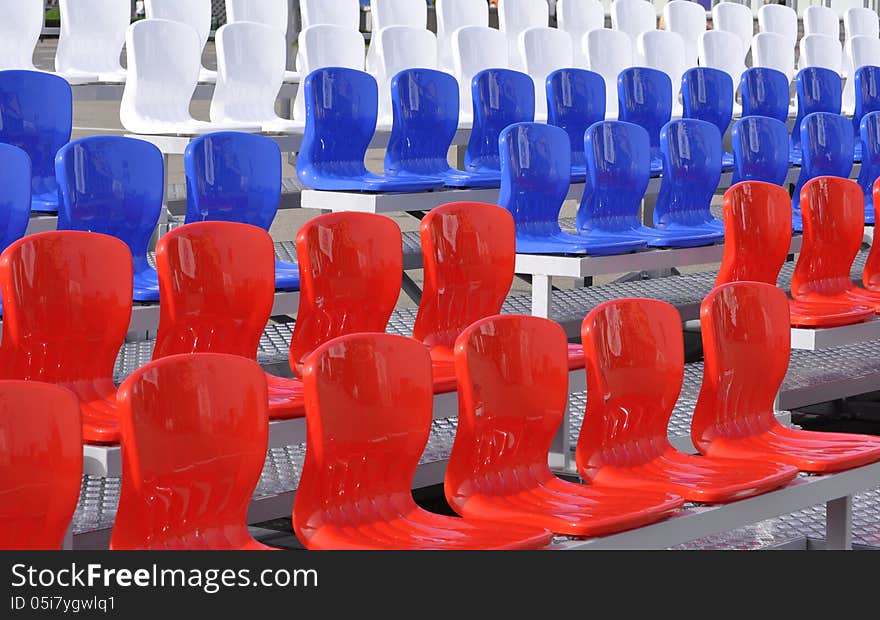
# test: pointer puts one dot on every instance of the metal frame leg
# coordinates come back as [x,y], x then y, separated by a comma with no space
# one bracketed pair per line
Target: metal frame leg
[541,295]
[838,523]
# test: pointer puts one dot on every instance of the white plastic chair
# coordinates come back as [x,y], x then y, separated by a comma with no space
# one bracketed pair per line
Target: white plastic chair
[608,53]
[722,50]
[864,50]
[514,16]
[664,50]
[633,17]
[775,51]
[271,13]
[821,20]
[399,48]
[21,22]
[452,15]
[861,21]
[326,45]
[688,20]
[475,49]
[736,18]
[819,50]
[780,19]
[544,50]
[385,13]
[91,40]
[577,18]
[194,13]
[345,13]
[163,71]
[250,72]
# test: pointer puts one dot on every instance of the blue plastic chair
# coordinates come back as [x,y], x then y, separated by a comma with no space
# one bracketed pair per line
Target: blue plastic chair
[760,150]
[707,95]
[236,177]
[645,98]
[870,170]
[575,100]
[618,171]
[501,98]
[535,178]
[691,152]
[341,108]
[867,95]
[818,90]
[114,185]
[827,146]
[15,199]
[425,107]
[36,115]
[764,92]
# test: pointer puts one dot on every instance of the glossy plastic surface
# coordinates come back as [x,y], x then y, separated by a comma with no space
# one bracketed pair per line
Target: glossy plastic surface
[369,408]
[544,50]
[861,21]
[114,185]
[514,16]
[871,272]
[36,115]
[819,50]
[688,20]
[195,430]
[818,90]
[452,15]
[645,99]
[577,18]
[388,13]
[341,106]
[40,464]
[707,95]
[345,13]
[867,95]
[633,17]
[15,201]
[821,20]
[722,50]
[535,177]
[475,49]
[736,18]
[196,14]
[774,51]
[575,100]
[635,360]
[664,51]
[91,39]
[760,150]
[66,310]
[864,51]
[269,12]
[780,19]
[746,344]
[764,92]
[499,361]
[398,48]
[608,53]
[20,26]
[870,156]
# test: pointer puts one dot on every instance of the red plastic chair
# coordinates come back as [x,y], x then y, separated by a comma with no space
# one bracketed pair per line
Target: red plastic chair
[834,221]
[746,348]
[513,390]
[217,285]
[871,272]
[757,232]
[195,431]
[40,464]
[368,405]
[66,310]
[635,366]
[468,254]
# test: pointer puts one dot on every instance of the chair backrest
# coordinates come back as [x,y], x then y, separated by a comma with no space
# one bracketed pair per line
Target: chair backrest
[757,232]
[821,20]
[764,92]
[618,162]
[92,35]
[36,115]
[664,51]
[535,176]
[273,13]
[608,53]
[544,50]
[827,145]
[21,23]
[500,400]
[326,45]
[760,150]
[345,13]
[645,98]
[66,306]
[40,464]
[112,185]
[452,15]
[834,221]
[779,19]
[195,429]
[501,98]
[351,265]
[163,72]
[250,72]
[633,17]
[707,94]
[575,100]
[864,50]
[475,49]
[746,343]
[386,13]
[468,252]
[514,16]
[869,134]
[15,201]
[577,18]
[425,106]
[368,409]
[773,51]
[819,50]
[341,106]
[634,356]
[719,49]
[217,285]
[232,177]
[861,21]
[399,48]
[736,18]
[194,13]
[688,20]
[818,90]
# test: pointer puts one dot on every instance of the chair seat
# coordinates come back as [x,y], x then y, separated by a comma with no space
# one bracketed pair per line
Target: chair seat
[656,166]
[282,125]
[569,508]
[294,77]
[697,478]
[45,203]
[76,78]
[809,451]
[818,313]
[578,174]
[370,182]
[191,127]
[114,77]
[727,162]
[100,418]
[286,400]
[146,285]
[565,243]
[286,276]
[462,178]
[575,356]
[207,76]
[683,236]
[853,296]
